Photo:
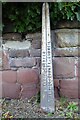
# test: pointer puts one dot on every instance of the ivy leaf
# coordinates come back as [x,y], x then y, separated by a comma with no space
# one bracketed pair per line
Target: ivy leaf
[29,27]
[77,15]
[69,14]
[73,7]
[61,6]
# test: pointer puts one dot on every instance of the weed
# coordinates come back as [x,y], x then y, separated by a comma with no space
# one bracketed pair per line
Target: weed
[50,114]
[72,107]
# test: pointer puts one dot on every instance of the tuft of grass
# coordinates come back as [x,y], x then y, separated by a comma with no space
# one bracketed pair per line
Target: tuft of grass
[63,101]
[72,108]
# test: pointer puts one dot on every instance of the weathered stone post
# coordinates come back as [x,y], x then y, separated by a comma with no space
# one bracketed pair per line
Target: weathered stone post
[47,84]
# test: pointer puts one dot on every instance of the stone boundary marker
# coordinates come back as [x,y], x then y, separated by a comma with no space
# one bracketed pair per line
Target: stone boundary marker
[47,85]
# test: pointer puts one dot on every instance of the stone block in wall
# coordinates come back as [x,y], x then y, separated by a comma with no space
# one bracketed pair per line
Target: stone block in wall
[0,63]
[28,90]
[71,51]
[35,52]
[18,53]
[12,36]
[69,88]
[36,40]
[5,60]
[17,45]
[9,76]
[36,44]
[11,90]
[64,67]
[1,91]
[23,62]
[77,67]
[0,76]
[67,37]
[27,75]
[34,36]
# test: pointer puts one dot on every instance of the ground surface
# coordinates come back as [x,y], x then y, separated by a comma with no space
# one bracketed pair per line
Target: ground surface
[65,108]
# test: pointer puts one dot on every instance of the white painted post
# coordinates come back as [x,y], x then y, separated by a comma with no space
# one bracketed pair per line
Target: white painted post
[47,83]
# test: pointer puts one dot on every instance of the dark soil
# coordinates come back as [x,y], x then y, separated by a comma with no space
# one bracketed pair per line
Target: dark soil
[64,108]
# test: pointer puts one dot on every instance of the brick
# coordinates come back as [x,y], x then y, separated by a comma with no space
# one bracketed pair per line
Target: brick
[11,91]
[69,93]
[35,52]
[77,65]
[23,62]
[5,60]
[69,88]
[12,36]
[17,44]
[9,76]
[67,37]
[18,53]
[0,76]
[71,51]
[29,90]
[34,36]
[1,91]
[0,63]
[36,44]
[64,67]
[25,76]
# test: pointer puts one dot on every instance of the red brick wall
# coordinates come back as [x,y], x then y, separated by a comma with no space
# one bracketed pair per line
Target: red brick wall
[20,70]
